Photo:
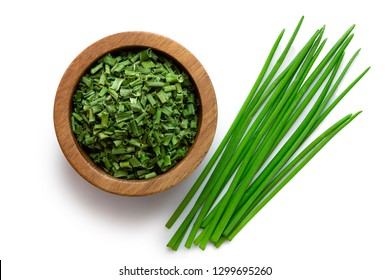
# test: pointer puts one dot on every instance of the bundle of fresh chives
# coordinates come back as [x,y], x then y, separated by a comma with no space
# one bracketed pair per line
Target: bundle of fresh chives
[248,168]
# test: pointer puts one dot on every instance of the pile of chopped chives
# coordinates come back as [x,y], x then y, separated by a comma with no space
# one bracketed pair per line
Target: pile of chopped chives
[135,113]
[257,156]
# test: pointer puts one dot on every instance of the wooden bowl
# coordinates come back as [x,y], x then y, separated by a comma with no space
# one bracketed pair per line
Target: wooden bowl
[81,162]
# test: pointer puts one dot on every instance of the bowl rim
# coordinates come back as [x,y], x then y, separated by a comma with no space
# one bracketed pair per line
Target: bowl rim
[81,162]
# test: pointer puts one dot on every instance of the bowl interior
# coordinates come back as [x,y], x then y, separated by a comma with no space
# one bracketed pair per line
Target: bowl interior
[207,113]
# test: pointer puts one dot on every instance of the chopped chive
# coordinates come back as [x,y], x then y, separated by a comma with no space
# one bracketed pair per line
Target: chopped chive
[169,88]
[86,81]
[155,84]
[135,162]
[97,68]
[158,116]
[124,116]
[77,116]
[125,164]
[116,84]
[151,100]
[119,150]
[150,175]
[120,173]
[173,78]
[109,60]
[167,111]
[102,81]
[145,54]
[117,142]
[104,118]
[162,97]
[130,112]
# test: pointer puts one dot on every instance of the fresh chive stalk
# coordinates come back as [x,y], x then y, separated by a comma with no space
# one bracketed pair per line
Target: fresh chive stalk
[179,235]
[258,140]
[225,140]
[248,168]
[327,135]
[262,152]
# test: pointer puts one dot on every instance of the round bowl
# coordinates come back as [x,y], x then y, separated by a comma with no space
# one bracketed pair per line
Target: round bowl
[81,162]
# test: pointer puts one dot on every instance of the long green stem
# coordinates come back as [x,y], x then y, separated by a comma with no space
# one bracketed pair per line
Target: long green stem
[221,147]
[271,110]
[310,95]
[212,196]
[278,114]
[271,144]
[290,176]
[297,138]
[274,165]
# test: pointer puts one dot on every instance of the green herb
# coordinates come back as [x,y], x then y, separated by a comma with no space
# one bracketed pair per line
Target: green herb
[131,111]
[260,153]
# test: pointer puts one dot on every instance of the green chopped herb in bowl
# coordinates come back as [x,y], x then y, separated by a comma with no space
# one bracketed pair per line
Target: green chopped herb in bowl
[135,113]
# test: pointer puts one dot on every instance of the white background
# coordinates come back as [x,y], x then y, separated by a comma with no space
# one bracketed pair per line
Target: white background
[330,222]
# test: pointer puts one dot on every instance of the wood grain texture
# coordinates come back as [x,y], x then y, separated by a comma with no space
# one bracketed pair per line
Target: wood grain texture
[80,160]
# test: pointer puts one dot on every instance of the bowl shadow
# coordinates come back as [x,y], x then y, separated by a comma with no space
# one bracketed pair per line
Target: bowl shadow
[116,208]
